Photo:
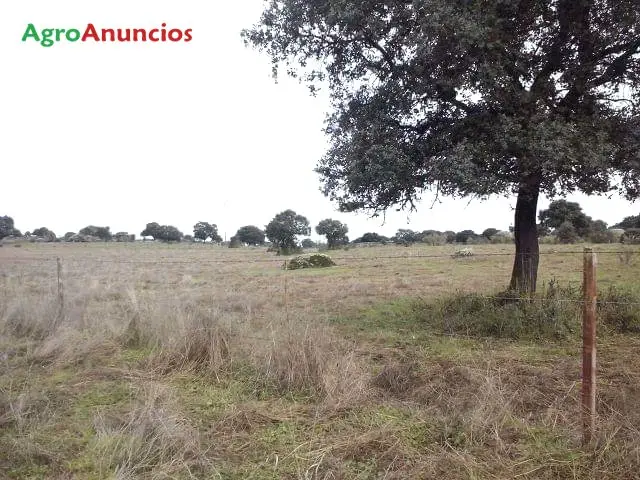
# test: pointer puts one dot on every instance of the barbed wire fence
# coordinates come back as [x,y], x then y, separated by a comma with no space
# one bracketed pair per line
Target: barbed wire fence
[450,270]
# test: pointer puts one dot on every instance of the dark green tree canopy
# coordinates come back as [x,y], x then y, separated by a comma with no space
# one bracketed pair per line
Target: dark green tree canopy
[464,236]
[371,237]
[335,231]
[489,232]
[166,233]
[103,233]
[204,230]
[468,98]
[7,228]
[561,211]
[250,235]
[151,230]
[169,233]
[44,233]
[567,233]
[406,236]
[629,222]
[285,227]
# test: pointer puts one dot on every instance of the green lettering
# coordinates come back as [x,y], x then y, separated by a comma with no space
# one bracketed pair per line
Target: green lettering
[31,32]
[73,35]
[47,33]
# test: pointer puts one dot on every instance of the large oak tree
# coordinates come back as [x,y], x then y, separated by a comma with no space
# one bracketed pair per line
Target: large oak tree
[468,98]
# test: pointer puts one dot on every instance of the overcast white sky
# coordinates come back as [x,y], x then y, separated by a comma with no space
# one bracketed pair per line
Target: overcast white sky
[124,134]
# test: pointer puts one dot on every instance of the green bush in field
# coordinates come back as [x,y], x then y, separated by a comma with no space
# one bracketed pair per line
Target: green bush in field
[556,312]
[619,310]
[316,260]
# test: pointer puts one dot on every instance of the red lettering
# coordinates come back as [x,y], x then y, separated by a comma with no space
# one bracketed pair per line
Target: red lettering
[175,35]
[164,33]
[152,33]
[90,32]
[109,31]
[187,35]
[139,31]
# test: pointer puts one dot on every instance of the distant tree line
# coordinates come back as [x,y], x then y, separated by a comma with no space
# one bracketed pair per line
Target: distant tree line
[562,222]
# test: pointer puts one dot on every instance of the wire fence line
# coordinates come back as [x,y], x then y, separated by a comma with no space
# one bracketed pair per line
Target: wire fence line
[71,266]
[283,259]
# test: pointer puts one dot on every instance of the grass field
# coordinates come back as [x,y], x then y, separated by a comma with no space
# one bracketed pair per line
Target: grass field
[197,361]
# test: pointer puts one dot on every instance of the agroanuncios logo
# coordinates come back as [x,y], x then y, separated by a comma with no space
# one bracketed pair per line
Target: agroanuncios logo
[47,37]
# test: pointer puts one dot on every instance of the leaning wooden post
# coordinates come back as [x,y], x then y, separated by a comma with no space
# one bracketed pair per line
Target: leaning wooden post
[589,346]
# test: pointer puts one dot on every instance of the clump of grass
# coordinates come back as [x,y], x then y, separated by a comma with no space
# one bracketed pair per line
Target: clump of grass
[620,310]
[182,334]
[29,316]
[310,360]
[551,314]
[396,378]
[152,439]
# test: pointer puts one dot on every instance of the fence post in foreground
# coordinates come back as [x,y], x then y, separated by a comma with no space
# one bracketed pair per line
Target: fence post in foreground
[589,346]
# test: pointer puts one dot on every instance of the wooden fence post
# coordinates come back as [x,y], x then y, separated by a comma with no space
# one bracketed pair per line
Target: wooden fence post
[589,346]
[60,312]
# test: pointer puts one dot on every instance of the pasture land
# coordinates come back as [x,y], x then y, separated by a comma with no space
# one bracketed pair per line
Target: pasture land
[197,361]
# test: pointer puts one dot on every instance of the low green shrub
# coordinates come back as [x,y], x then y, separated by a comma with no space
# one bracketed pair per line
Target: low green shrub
[316,260]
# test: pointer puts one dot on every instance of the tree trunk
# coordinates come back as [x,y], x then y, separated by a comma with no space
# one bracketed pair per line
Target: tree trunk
[525,265]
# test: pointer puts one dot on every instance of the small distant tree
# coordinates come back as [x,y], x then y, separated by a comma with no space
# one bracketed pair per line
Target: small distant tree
[567,233]
[335,231]
[464,236]
[489,232]
[103,233]
[45,234]
[600,234]
[7,228]
[68,236]
[371,237]
[152,229]
[451,236]
[283,230]
[234,242]
[405,236]
[433,239]
[561,211]
[629,222]
[187,238]
[250,235]
[204,230]
[308,243]
[169,233]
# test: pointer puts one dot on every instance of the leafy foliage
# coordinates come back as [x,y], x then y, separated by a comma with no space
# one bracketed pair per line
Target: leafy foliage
[489,232]
[167,233]
[103,233]
[7,228]
[464,236]
[405,236]
[152,229]
[45,234]
[561,211]
[371,237]
[308,243]
[285,227]
[335,231]
[250,235]
[629,222]
[567,233]
[316,260]
[203,231]
[468,98]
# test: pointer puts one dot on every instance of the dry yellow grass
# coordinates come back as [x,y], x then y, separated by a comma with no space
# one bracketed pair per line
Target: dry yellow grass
[196,361]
